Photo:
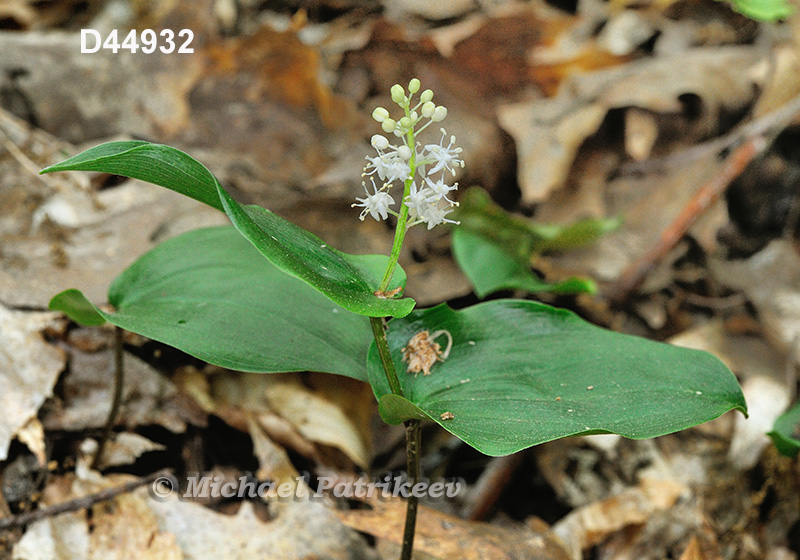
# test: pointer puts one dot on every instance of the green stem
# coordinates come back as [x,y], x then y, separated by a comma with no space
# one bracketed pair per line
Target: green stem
[386,356]
[412,426]
[402,220]
[412,450]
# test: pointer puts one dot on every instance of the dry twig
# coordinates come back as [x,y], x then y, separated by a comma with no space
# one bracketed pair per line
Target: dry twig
[632,277]
[84,502]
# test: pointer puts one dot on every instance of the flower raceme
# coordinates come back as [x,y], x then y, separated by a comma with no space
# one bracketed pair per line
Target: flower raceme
[416,166]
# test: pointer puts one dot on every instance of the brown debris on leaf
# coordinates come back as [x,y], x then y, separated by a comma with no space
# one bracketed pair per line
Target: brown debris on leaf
[422,352]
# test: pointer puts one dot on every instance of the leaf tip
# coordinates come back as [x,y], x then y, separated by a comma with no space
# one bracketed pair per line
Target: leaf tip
[74,305]
[408,305]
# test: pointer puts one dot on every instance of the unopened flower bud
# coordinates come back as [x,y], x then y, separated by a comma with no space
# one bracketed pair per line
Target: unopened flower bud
[406,123]
[388,125]
[380,114]
[413,85]
[404,152]
[379,142]
[398,94]
[439,114]
[426,96]
[414,116]
[428,108]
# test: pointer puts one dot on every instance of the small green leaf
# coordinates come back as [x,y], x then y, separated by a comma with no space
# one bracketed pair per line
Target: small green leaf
[494,248]
[74,305]
[786,432]
[209,293]
[394,409]
[348,280]
[522,237]
[489,269]
[574,236]
[763,10]
[522,373]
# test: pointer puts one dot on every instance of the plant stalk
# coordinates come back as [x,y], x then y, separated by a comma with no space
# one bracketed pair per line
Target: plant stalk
[412,426]
[119,380]
[386,356]
[412,504]
[402,220]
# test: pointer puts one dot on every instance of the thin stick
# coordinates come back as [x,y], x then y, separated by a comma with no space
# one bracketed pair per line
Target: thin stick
[22,159]
[778,119]
[490,485]
[119,381]
[632,277]
[84,502]
[413,450]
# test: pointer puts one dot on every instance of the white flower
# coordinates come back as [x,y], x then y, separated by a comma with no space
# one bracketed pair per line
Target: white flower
[434,216]
[441,189]
[377,204]
[389,166]
[444,157]
[418,201]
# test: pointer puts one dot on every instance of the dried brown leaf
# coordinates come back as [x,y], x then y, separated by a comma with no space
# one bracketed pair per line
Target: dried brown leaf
[122,529]
[302,529]
[593,523]
[125,448]
[148,396]
[549,132]
[29,368]
[446,536]
[291,413]
[282,67]
[136,526]
[32,435]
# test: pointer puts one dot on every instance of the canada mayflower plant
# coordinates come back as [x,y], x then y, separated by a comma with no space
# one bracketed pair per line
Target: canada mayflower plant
[268,296]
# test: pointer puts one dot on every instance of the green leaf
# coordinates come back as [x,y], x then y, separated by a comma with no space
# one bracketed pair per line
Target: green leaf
[522,237]
[348,280]
[574,236]
[154,163]
[489,268]
[394,409]
[74,305]
[210,294]
[522,373]
[763,10]
[786,432]
[494,248]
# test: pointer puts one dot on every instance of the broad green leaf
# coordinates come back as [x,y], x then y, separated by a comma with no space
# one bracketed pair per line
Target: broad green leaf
[348,280]
[75,306]
[522,373]
[489,268]
[763,10]
[210,294]
[786,432]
